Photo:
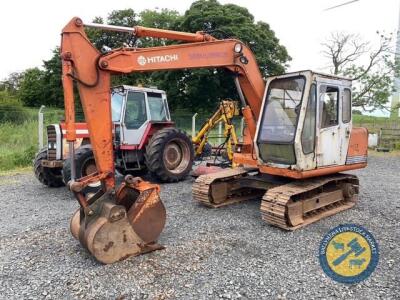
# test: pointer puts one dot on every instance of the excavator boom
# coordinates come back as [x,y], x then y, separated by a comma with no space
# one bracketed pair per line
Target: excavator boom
[119,222]
[92,70]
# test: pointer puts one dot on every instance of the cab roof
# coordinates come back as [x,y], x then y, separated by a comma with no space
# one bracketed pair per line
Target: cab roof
[321,74]
[138,88]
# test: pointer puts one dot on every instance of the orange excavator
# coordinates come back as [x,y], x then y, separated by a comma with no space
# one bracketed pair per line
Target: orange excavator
[298,136]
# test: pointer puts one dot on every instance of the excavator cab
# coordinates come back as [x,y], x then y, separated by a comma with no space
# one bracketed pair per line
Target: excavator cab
[303,140]
[306,123]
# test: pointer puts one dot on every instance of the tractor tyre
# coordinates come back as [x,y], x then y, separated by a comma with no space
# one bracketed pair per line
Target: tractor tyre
[169,155]
[85,165]
[51,177]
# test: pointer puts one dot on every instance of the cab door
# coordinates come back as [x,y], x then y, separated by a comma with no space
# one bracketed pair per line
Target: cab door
[334,123]
[135,118]
[329,127]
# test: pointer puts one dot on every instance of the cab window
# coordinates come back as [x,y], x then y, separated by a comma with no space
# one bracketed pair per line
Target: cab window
[117,99]
[282,109]
[135,112]
[329,100]
[157,107]
[346,108]
[308,133]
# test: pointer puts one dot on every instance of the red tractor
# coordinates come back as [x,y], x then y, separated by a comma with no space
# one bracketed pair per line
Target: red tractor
[145,140]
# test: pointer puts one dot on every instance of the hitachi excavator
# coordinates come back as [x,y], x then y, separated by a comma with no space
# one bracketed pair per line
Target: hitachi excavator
[298,136]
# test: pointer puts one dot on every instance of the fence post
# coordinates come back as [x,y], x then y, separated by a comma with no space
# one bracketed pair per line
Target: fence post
[40,126]
[194,125]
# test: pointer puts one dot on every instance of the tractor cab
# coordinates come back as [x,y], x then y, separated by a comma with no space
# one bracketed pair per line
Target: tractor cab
[134,109]
[306,123]
[145,140]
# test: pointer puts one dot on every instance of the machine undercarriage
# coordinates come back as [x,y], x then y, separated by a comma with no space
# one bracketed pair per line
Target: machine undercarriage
[285,203]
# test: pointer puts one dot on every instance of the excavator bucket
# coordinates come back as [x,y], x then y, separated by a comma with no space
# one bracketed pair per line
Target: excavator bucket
[126,223]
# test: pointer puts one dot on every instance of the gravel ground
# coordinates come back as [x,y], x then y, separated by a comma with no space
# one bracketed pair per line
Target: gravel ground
[223,253]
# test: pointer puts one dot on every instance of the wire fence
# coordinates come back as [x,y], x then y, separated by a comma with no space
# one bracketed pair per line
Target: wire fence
[374,126]
[22,131]
[26,129]
[215,136]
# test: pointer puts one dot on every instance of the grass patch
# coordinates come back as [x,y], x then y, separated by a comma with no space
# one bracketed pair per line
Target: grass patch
[19,141]
[16,171]
[17,144]
[374,124]
[393,153]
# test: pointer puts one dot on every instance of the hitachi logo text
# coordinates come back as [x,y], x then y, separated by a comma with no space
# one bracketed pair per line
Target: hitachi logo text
[142,60]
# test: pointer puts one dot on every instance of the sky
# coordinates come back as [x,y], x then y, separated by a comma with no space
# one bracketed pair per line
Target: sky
[29,30]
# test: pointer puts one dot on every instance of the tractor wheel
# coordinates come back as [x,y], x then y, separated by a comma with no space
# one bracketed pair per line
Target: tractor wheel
[48,176]
[85,165]
[169,155]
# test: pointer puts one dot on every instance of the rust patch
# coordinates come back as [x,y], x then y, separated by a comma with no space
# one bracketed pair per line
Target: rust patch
[108,246]
[149,199]
[124,257]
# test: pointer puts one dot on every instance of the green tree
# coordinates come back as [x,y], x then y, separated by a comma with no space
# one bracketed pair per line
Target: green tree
[196,89]
[38,87]
[53,93]
[189,89]
[201,89]
[32,87]
[11,83]
[105,40]
[163,19]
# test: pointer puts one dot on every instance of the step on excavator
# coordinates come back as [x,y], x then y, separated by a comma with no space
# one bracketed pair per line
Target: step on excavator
[298,136]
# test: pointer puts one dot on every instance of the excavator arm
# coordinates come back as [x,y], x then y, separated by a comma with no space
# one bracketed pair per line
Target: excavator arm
[119,222]
[83,63]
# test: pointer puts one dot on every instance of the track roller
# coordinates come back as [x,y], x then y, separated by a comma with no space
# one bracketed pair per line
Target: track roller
[301,202]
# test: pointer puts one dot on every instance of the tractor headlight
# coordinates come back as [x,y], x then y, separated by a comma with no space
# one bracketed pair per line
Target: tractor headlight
[238,48]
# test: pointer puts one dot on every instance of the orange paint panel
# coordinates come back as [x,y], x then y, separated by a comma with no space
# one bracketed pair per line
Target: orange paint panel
[358,144]
[141,31]
[312,173]
[245,159]
[210,54]
[94,91]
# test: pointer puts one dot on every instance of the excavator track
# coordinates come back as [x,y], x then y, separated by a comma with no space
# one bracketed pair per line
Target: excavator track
[223,188]
[301,202]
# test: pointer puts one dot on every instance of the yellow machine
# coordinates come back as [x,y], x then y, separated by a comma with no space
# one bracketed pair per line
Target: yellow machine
[225,113]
